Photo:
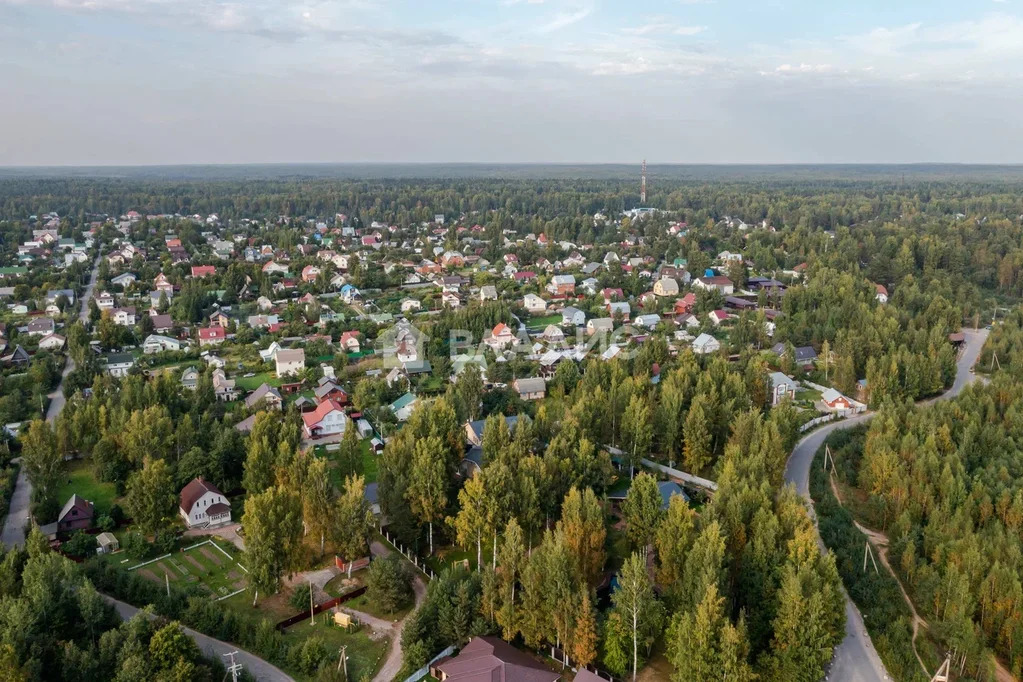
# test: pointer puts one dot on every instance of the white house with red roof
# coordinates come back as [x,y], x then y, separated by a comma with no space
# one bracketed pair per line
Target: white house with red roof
[328,419]
[500,337]
[212,336]
[350,341]
[717,316]
[310,273]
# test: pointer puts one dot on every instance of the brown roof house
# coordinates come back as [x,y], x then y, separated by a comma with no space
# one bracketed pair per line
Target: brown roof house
[202,504]
[76,514]
[489,659]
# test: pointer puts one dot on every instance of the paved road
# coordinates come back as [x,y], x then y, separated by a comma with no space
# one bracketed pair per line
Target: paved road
[855,659]
[17,516]
[214,648]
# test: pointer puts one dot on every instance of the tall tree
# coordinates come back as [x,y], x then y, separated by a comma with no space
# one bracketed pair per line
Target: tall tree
[150,498]
[42,461]
[427,490]
[273,536]
[354,521]
[584,641]
[512,560]
[472,523]
[261,453]
[637,430]
[637,606]
[318,496]
[673,539]
[698,436]
[582,526]
[704,647]
[642,512]
[469,391]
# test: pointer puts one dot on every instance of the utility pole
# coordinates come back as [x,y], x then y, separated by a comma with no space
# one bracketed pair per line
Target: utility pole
[234,668]
[166,580]
[312,612]
[868,551]
[942,674]
[343,660]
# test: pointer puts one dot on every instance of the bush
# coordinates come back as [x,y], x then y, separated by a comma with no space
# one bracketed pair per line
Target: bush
[117,514]
[136,546]
[300,596]
[80,545]
[164,541]
[105,523]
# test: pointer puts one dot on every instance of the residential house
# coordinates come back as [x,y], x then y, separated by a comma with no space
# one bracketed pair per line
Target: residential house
[290,361]
[403,406]
[534,304]
[124,317]
[156,343]
[310,273]
[190,378]
[450,299]
[717,316]
[573,316]
[220,319]
[782,387]
[562,285]
[223,388]
[705,344]
[553,334]
[534,388]
[119,364]
[265,397]
[882,293]
[718,283]
[500,337]
[665,286]
[211,336]
[203,270]
[329,390]
[161,323]
[648,321]
[602,325]
[105,301]
[488,292]
[491,659]
[41,326]
[349,342]
[620,308]
[124,280]
[328,419]
[201,504]
[410,305]
[52,342]
[835,401]
[76,514]
[270,352]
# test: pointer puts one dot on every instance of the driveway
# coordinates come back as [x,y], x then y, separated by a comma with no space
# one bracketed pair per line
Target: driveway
[392,664]
[214,648]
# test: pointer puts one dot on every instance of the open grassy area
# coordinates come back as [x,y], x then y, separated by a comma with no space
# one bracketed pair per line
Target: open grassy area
[257,380]
[446,556]
[80,479]
[370,462]
[365,650]
[542,322]
[366,605]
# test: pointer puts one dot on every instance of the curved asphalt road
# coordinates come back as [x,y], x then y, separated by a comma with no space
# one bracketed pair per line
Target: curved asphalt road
[855,659]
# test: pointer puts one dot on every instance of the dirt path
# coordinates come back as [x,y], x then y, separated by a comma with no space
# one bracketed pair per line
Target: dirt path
[880,542]
[392,664]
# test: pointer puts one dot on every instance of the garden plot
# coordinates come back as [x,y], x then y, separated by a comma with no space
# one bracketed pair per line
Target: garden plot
[205,564]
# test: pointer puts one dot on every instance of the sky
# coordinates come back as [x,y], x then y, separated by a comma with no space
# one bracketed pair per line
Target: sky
[97,82]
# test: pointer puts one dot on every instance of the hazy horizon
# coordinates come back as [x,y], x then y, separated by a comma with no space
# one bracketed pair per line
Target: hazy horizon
[171,82]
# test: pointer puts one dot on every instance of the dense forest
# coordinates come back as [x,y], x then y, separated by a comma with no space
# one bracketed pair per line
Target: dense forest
[942,483]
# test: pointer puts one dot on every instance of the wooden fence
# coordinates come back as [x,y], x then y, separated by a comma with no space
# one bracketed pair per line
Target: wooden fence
[320,608]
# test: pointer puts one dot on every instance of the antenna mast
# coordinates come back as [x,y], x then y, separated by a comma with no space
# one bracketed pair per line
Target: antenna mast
[642,185]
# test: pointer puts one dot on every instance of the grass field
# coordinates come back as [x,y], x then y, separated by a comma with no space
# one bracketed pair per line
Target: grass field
[80,479]
[257,380]
[370,464]
[542,322]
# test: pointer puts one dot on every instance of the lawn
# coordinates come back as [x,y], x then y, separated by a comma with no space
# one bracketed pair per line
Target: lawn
[370,463]
[366,605]
[81,480]
[447,556]
[542,322]
[257,380]
[365,653]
